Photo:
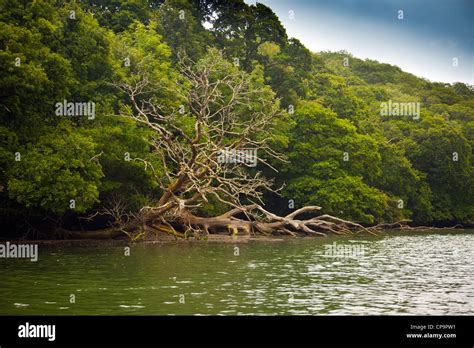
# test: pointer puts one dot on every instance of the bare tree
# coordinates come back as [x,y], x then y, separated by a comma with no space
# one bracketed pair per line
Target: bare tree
[225,117]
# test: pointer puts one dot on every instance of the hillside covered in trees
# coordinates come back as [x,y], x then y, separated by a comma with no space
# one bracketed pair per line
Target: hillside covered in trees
[336,147]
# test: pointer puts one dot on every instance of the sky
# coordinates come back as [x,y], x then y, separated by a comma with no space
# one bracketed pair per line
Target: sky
[431,38]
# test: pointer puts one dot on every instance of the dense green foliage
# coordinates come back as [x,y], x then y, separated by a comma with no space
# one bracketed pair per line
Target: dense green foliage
[342,153]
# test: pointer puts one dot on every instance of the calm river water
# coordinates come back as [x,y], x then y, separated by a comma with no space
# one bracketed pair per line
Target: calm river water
[422,273]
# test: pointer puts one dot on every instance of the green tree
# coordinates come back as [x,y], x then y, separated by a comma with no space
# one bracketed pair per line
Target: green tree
[326,151]
[56,174]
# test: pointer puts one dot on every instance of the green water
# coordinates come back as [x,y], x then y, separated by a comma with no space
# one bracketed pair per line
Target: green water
[424,273]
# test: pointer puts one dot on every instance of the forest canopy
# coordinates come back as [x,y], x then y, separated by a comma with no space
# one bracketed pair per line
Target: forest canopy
[323,110]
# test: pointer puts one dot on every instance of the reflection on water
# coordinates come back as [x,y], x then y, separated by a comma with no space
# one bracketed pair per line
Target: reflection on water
[426,273]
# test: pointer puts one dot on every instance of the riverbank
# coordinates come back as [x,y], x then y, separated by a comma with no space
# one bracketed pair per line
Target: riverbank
[214,238]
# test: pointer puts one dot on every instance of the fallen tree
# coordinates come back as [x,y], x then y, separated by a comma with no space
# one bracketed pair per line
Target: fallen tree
[257,221]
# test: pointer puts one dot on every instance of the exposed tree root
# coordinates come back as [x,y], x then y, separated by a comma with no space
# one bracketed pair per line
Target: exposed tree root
[247,220]
[255,220]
